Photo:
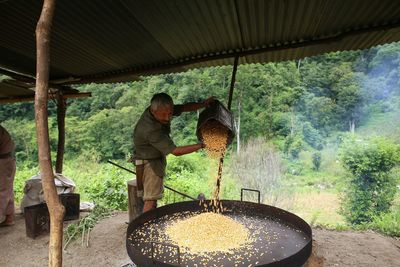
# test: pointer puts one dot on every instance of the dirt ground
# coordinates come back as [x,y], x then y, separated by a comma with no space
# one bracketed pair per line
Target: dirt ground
[107,247]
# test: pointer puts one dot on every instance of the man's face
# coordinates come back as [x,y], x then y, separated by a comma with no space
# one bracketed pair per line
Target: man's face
[163,114]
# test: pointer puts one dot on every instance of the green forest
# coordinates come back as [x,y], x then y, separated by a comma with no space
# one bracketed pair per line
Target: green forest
[318,136]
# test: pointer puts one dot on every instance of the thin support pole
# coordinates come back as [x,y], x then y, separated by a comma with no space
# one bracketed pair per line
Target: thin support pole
[233,79]
[61,111]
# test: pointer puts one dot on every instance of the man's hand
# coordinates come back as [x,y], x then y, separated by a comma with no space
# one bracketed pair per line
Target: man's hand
[202,145]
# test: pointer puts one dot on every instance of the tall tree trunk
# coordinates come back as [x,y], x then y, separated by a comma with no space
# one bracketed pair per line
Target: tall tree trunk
[61,110]
[352,126]
[56,209]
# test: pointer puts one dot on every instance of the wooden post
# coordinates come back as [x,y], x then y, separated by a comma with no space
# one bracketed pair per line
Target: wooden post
[56,209]
[61,110]
[135,204]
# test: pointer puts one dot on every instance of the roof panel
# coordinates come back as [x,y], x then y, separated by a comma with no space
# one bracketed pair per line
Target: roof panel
[117,40]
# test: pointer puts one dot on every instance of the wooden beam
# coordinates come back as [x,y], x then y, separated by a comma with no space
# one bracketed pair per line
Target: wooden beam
[32,98]
[28,79]
[17,76]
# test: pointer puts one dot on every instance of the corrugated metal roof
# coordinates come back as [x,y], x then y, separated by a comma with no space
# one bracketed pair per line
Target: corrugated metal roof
[118,40]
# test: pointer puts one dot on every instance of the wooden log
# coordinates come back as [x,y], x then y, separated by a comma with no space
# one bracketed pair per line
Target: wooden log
[135,203]
[56,209]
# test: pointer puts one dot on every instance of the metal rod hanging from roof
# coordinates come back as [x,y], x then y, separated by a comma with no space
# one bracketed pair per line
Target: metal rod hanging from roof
[233,79]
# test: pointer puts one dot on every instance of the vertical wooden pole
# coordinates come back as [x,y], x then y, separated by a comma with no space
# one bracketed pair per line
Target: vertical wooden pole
[61,110]
[56,209]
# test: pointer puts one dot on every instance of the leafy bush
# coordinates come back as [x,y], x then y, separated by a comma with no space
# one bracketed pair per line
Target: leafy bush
[388,223]
[294,167]
[110,192]
[371,189]
[188,174]
[194,174]
[191,163]
[23,173]
[293,146]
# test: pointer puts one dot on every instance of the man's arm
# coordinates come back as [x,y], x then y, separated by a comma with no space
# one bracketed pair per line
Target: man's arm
[182,150]
[192,106]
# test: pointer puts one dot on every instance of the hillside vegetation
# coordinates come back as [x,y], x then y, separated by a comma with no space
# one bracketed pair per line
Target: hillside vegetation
[293,119]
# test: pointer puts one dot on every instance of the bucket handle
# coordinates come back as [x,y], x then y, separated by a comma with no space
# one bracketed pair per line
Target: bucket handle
[166,245]
[252,190]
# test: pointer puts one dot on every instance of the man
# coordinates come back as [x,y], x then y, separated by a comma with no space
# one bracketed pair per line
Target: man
[7,173]
[153,143]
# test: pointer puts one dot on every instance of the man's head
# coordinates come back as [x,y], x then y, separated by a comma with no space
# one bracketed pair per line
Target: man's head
[162,107]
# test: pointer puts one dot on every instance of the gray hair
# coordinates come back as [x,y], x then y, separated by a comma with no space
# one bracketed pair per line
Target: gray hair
[161,100]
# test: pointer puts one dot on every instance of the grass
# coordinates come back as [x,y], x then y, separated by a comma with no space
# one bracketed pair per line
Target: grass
[319,208]
[316,197]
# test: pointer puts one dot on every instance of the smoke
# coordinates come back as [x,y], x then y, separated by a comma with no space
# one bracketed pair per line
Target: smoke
[382,79]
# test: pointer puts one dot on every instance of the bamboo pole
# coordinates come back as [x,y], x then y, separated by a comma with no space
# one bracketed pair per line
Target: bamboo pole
[56,209]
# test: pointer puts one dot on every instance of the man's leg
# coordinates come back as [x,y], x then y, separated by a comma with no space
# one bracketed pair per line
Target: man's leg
[149,205]
[153,188]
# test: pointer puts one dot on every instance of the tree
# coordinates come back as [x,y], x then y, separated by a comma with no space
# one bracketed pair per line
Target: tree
[371,188]
[312,136]
[346,90]
[319,111]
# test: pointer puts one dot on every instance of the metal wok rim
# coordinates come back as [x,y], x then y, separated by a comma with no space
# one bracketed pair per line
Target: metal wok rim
[296,259]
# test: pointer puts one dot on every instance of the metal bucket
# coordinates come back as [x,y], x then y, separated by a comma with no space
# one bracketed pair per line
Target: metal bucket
[216,112]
